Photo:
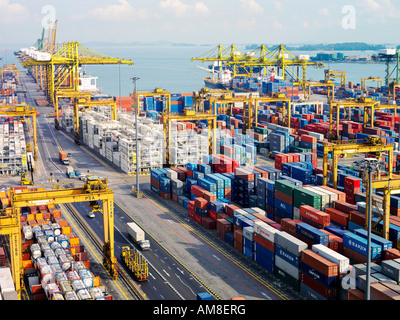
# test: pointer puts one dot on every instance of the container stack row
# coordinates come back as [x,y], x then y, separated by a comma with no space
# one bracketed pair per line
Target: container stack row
[56,265]
[310,237]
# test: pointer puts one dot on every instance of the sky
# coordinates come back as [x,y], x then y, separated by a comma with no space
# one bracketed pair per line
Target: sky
[203,21]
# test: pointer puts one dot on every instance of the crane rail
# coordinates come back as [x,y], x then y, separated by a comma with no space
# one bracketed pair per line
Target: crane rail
[122,274]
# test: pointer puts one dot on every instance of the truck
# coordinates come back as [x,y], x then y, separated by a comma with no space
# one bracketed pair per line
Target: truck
[70,172]
[137,235]
[78,172]
[63,157]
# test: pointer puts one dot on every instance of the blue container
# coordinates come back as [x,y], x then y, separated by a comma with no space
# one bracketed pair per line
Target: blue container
[216,206]
[312,234]
[385,244]
[283,206]
[359,244]
[204,296]
[287,256]
[394,231]
[207,184]
[192,166]
[205,168]
[197,175]
[229,238]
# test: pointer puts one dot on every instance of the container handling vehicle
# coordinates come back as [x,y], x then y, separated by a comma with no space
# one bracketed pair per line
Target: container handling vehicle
[137,235]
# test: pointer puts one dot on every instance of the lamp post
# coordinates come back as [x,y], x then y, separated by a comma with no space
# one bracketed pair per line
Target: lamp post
[136,191]
[370,165]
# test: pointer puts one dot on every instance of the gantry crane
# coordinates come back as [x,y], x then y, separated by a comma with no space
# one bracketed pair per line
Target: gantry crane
[350,104]
[94,190]
[369,112]
[204,94]
[189,115]
[388,186]
[62,69]
[364,81]
[63,94]
[23,110]
[86,103]
[328,83]
[373,144]
[261,57]
[336,74]
[11,68]
[157,93]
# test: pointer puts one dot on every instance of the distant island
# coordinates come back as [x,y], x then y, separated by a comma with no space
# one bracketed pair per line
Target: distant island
[347,46]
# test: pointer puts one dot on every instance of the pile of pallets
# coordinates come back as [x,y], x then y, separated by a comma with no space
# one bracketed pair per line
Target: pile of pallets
[41,102]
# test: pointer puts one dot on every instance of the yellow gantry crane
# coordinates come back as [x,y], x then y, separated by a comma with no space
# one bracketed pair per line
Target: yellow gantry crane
[262,58]
[62,68]
[336,74]
[135,262]
[313,84]
[364,81]
[372,145]
[12,68]
[83,102]
[189,115]
[23,110]
[157,93]
[349,104]
[94,190]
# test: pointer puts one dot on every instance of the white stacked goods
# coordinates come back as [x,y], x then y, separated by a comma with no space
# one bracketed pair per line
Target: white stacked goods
[7,287]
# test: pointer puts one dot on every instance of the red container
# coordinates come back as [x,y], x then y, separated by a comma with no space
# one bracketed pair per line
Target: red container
[201,203]
[355,294]
[328,293]
[357,218]
[264,242]
[283,197]
[315,215]
[319,263]
[230,208]
[165,196]
[338,216]
[198,191]
[208,196]
[208,223]
[244,174]
[391,254]
[212,214]
[381,292]
[344,206]
[197,218]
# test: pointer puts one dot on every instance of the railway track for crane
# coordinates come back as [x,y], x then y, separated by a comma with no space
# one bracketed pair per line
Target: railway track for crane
[123,276]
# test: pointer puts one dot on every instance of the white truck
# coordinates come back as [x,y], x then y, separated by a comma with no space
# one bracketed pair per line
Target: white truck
[137,235]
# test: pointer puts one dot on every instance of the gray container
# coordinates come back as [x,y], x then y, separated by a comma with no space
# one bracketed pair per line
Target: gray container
[71,295]
[287,267]
[290,243]
[391,269]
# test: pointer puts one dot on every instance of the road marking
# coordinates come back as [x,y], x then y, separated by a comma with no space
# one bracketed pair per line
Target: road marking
[166,272]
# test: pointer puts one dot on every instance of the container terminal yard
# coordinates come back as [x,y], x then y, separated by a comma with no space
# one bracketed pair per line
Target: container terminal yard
[263,186]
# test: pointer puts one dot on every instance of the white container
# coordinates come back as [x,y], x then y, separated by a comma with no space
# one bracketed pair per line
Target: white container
[290,243]
[63,240]
[87,277]
[65,263]
[248,233]
[71,295]
[36,252]
[73,275]
[6,280]
[342,261]
[47,275]
[265,230]
[96,293]
[84,294]
[135,231]
[27,231]
[78,285]
[287,267]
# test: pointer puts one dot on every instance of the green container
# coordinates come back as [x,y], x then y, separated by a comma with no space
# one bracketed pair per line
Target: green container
[300,149]
[285,187]
[287,278]
[260,130]
[303,196]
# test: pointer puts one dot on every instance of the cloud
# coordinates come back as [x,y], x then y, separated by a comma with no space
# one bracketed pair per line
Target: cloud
[278,5]
[181,9]
[12,12]
[277,25]
[123,11]
[251,6]
[324,12]
[381,9]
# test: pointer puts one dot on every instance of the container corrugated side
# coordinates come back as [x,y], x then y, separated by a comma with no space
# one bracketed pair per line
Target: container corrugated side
[342,261]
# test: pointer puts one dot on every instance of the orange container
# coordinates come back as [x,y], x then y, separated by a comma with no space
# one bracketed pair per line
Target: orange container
[74,241]
[27,264]
[30,217]
[66,230]
[96,281]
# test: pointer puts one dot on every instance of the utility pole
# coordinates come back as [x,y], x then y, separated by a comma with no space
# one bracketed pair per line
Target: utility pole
[136,191]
